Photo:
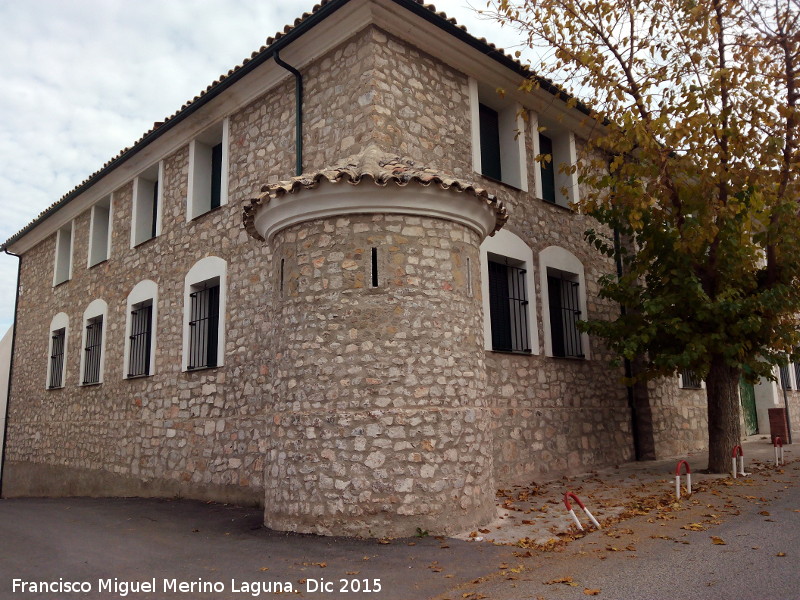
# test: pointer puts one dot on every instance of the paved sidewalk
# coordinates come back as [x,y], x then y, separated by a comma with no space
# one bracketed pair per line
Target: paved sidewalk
[534,515]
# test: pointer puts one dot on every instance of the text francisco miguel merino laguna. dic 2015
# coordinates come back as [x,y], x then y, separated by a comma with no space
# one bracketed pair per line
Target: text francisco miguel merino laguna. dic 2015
[122,588]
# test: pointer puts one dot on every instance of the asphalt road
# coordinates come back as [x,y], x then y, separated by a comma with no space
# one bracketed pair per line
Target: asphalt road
[85,540]
[756,554]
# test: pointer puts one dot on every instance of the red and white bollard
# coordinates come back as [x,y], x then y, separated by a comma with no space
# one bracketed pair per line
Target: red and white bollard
[778,443]
[737,451]
[569,495]
[678,479]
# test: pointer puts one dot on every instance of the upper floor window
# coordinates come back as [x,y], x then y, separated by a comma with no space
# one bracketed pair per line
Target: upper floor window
[56,364]
[147,200]
[498,140]
[785,377]
[204,314]
[556,173]
[509,316]
[63,259]
[208,171]
[100,232]
[94,318]
[563,286]
[140,330]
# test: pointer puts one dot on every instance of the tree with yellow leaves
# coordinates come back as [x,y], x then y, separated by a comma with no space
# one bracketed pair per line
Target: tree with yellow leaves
[694,166]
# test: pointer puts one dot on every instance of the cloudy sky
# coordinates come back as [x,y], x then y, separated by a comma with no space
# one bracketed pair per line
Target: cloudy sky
[83,79]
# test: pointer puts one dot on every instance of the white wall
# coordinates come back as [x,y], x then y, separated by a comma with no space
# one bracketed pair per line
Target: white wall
[5,364]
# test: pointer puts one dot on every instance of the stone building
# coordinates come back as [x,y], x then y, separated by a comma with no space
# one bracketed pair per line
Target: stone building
[359,315]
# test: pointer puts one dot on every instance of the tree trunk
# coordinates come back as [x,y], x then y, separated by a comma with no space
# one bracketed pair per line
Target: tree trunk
[724,429]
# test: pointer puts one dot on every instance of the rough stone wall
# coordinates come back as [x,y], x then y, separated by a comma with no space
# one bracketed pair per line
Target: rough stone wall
[380,421]
[680,418]
[793,398]
[199,434]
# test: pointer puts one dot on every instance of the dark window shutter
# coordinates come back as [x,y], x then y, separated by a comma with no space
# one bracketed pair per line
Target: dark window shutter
[155,209]
[490,142]
[216,175]
[547,169]
[499,309]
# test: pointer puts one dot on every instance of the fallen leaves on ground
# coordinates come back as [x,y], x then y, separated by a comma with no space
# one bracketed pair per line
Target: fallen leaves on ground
[590,592]
[694,527]
[565,580]
[717,541]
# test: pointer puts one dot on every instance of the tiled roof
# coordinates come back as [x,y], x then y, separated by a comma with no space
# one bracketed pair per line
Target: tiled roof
[262,54]
[370,165]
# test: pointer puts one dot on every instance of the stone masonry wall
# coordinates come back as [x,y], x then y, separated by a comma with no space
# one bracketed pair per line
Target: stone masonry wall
[379,418]
[199,434]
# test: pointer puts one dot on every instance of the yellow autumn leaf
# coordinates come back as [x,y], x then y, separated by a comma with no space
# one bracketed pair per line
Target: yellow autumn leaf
[718,541]
[590,592]
[694,527]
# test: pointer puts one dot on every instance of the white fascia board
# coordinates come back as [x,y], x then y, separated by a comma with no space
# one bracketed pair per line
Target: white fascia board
[337,28]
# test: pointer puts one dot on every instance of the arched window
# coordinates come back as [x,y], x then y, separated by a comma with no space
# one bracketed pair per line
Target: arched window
[563,285]
[509,323]
[140,330]
[94,338]
[57,352]
[204,301]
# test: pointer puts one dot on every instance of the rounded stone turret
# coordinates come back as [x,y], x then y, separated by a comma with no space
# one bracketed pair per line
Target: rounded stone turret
[380,423]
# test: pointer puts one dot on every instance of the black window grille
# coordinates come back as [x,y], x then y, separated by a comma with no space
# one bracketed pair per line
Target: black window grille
[508,308]
[203,328]
[547,169]
[786,383]
[140,341]
[216,175]
[490,142]
[57,342]
[689,379]
[93,350]
[565,312]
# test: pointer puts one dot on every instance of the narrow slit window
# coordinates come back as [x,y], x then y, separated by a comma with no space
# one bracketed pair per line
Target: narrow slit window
[281,281]
[374,267]
[57,341]
[469,277]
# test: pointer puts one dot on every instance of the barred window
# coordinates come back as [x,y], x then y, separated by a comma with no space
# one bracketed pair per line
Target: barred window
[508,308]
[203,327]
[57,342]
[140,339]
[786,382]
[93,350]
[690,380]
[565,312]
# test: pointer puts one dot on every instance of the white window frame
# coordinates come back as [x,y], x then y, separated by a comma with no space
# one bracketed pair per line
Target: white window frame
[559,259]
[100,225]
[146,290]
[514,169]
[204,270]
[62,263]
[141,221]
[96,308]
[198,199]
[505,243]
[60,321]
[564,152]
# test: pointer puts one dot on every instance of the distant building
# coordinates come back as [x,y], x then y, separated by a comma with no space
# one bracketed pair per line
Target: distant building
[371,347]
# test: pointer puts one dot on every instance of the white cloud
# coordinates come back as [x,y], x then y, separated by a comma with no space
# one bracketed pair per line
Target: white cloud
[82,80]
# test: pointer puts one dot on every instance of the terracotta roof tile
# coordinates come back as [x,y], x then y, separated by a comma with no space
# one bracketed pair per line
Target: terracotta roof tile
[373,164]
[165,125]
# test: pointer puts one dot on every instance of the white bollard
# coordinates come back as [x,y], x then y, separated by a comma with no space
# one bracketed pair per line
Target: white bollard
[681,463]
[567,504]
